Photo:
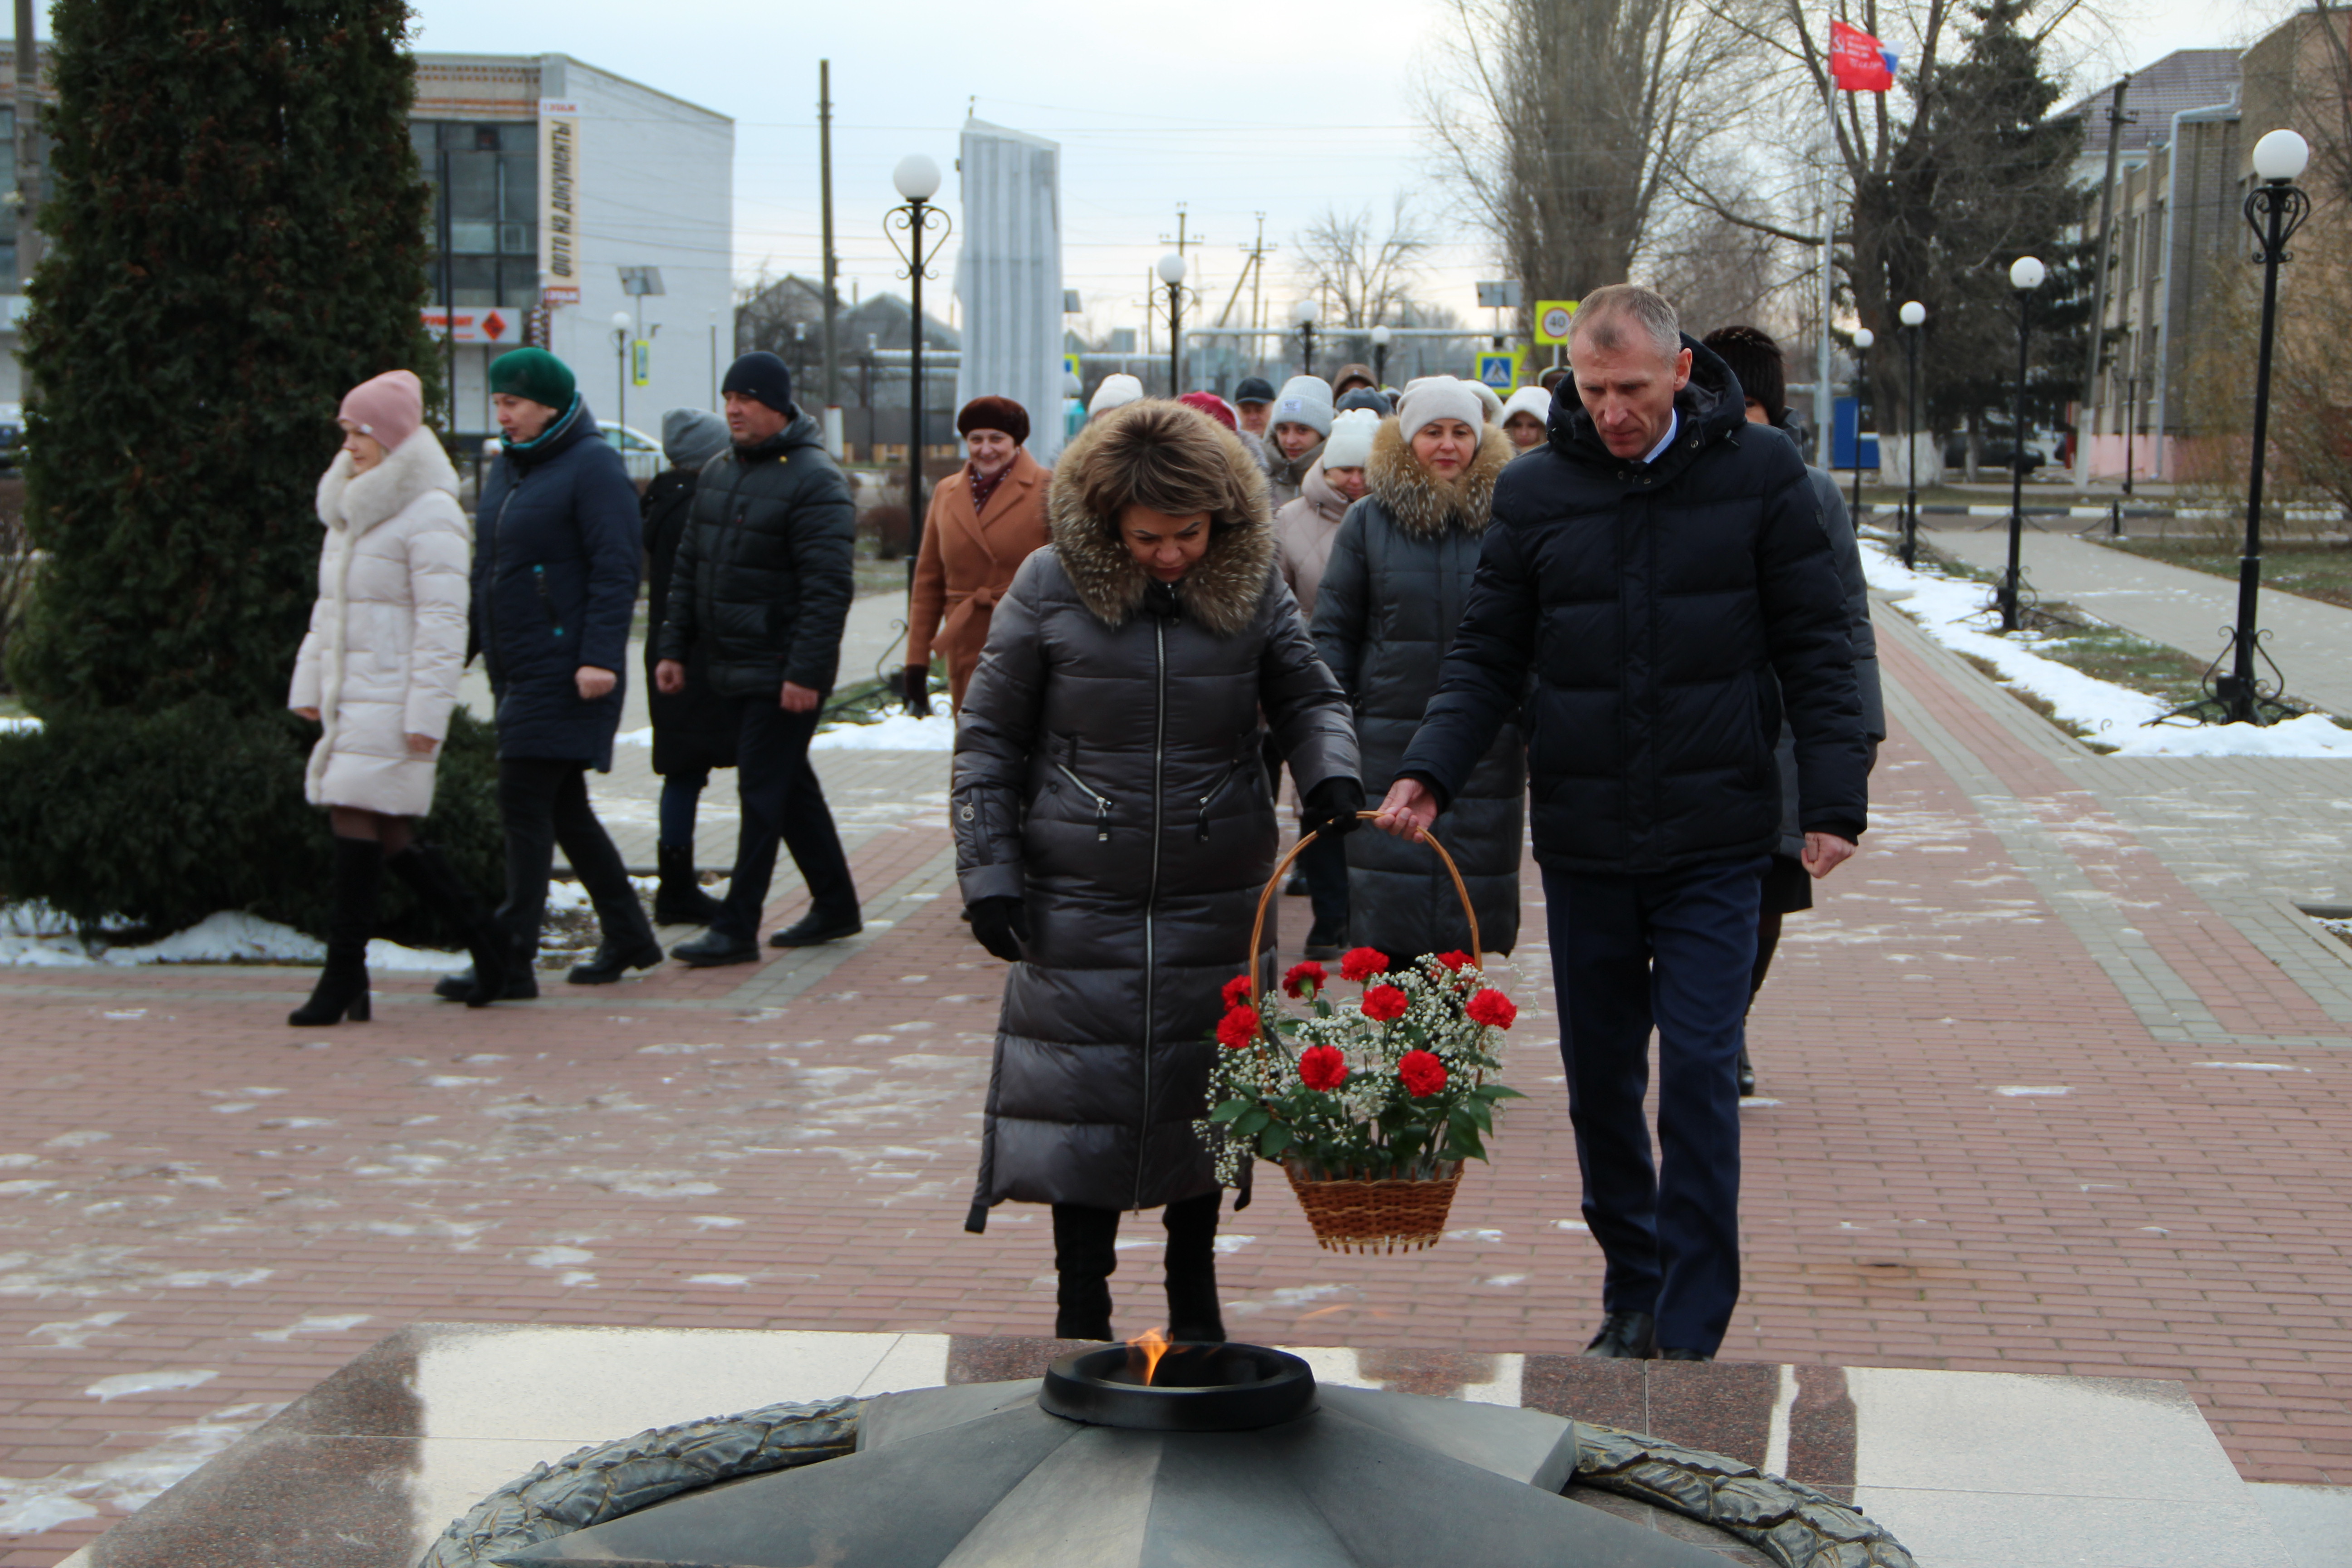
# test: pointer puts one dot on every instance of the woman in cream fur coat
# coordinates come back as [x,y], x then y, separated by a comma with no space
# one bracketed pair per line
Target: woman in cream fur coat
[379,672]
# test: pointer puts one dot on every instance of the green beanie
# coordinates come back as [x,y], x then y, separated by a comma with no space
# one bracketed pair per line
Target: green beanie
[534,373]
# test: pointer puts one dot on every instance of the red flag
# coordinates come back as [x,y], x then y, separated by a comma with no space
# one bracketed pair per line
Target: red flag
[1858,62]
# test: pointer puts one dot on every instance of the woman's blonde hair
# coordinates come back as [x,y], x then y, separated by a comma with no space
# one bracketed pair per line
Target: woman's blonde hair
[1162,455]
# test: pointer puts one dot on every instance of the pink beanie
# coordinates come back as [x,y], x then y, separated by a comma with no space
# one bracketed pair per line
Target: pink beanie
[390,407]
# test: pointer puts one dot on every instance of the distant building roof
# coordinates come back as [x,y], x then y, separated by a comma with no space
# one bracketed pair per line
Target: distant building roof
[2185,79]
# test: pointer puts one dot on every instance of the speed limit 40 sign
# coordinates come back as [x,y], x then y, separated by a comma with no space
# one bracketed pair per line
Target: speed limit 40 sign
[1553,319]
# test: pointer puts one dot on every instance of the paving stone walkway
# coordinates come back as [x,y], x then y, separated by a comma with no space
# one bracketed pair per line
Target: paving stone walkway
[2053,1081]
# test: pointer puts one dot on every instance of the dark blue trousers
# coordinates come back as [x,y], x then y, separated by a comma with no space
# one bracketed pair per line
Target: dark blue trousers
[1673,953]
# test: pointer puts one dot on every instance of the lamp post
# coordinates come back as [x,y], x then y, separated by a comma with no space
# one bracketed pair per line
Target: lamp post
[2274,210]
[1171,273]
[1914,315]
[2025,275]
[1304,313]
[917,180]
[1381,356]
[1863,338]
[621,322]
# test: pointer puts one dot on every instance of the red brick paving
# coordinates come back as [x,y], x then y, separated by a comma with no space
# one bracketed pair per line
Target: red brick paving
[2159,1219]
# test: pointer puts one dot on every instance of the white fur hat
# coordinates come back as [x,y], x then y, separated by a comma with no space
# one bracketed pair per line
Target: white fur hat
[1488,399]
[1532,400]
[1117,391]
[1440,398]
[1349,445]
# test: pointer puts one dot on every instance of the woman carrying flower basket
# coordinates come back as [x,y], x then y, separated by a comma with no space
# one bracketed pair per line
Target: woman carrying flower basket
[1114,829]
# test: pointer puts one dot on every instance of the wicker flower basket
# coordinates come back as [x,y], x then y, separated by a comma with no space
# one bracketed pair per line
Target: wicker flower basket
[1396,1214]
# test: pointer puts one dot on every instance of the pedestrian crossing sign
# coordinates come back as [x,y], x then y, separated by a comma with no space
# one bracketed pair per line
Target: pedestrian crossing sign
[1500,371]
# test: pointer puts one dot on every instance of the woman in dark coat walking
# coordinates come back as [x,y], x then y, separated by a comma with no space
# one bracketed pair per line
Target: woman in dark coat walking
[693,729]
[1392,595]
[554,586]
[1114,828]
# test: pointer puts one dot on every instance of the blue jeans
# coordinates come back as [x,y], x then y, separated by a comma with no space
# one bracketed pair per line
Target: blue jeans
[681,795]
[1674,951]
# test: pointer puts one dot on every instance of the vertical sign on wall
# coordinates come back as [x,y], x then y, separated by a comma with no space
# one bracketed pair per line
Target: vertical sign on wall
[559,202]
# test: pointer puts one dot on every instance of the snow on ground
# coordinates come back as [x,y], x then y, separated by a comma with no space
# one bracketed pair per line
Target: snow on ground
[1955,612]
[899,733]
[227,937]
[6,725]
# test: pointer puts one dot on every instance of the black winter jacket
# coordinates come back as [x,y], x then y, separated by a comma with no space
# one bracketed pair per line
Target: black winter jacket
[1655,603]
[1847,549]
[555,586]
[762,577]
[1393,591]
[693,729]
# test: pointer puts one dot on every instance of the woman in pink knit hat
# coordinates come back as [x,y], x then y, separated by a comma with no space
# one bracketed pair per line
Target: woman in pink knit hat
[379,672]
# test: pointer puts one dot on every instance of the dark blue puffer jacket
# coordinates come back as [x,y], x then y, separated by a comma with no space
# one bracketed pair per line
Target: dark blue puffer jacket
[556,548]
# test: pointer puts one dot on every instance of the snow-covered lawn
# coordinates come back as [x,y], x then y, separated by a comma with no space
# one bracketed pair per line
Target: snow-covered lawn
[899,733]
[227,937]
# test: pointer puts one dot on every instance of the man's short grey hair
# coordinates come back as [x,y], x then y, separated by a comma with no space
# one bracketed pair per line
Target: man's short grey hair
[1603,317]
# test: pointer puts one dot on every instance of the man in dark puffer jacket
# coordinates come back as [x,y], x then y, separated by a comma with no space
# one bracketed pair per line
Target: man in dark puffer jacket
[1656,566]
[762,583]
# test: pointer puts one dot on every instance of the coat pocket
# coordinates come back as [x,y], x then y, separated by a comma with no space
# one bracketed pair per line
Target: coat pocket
[1217,790]
[1102,802]
[546,600]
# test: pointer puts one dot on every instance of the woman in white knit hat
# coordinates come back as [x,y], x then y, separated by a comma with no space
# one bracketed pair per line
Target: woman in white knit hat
[1302,419]
[1385,610]
[1525,417]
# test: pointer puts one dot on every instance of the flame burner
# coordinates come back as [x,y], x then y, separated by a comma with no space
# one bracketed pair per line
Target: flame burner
[1194,1388]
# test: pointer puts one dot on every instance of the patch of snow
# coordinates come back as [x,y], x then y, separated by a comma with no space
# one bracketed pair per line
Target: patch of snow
[2311,735]
[717,1280]
[1229,1245]
[716,1222]
[75,1335]
[197,1278]
[336,1325]
[899,733]
[19,726]
[24,1189]
[1505,1280]
[128,1484]
[1576,1225]
[124,1384]
[558,1257]
[644,737]
[225,936]
[2024,1091]
[2253,1067]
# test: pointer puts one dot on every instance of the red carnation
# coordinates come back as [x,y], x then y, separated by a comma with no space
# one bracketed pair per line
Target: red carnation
[1302,975]
[1423,1074]
[1382,1003]
[1458,962]
[1322,1066]
[1492,1009]
[1237,992]
[1364,963]
[1237,1028]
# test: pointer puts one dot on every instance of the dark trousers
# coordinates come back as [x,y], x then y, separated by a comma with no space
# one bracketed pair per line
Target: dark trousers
[781,804]
[543,802]
[1675,952]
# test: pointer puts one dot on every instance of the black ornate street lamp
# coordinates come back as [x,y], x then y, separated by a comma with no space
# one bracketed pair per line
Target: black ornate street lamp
[2025,275]
[1863,338]
[2274,210]
[1304,313]
[1171,273]
[917,180]
[1913,315]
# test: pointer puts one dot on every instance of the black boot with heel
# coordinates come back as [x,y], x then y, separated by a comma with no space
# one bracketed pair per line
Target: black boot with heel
[342,988]
[1086,1252]
[436,884]
[680,900]
[1194,1316]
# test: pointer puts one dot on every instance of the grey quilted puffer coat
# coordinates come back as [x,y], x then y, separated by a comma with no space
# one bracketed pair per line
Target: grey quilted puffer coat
[1392,595]
[1108,771]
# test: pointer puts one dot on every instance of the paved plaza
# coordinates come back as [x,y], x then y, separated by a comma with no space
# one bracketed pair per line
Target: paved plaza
[2052,1082]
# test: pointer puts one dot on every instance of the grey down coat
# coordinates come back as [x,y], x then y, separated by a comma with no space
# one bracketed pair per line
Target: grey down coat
[1393,593]
[1107,772]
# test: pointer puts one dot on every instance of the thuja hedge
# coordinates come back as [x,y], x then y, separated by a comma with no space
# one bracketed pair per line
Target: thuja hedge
[157,820]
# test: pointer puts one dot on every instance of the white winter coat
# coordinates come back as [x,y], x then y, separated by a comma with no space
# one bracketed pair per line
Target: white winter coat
[387,639]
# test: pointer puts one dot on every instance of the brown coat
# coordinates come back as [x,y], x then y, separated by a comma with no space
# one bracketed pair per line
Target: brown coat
[967,562]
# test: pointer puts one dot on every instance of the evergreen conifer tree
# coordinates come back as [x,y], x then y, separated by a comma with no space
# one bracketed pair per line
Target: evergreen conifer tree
[236,239]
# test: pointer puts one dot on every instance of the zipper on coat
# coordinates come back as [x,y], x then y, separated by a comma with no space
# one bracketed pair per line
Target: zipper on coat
[1102,802]
[546,599]
[1151,894]
[1210,799]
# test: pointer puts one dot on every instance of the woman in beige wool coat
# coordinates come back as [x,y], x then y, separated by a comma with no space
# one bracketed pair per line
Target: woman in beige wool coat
[379,672]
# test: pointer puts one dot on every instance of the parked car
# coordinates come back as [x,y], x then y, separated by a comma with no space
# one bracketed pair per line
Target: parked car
[640,453]
[12,435]
[1996,455]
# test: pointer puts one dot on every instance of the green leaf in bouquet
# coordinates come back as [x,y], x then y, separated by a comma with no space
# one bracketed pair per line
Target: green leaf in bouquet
[1274,1140]
[1250,1121]
[1229,1110]
[1491,1092]
[1322,1009]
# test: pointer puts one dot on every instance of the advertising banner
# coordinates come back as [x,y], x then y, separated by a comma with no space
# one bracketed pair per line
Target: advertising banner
[559,202]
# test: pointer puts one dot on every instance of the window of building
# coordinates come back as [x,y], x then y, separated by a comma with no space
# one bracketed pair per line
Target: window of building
[485,220]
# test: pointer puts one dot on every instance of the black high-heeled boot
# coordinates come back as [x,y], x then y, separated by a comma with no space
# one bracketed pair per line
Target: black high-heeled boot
[1085,1253]
[680,900]
[342,988]
[430,875]
[1194,1316]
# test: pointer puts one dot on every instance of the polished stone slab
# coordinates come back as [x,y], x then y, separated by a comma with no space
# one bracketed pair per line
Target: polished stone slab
[1968,1470]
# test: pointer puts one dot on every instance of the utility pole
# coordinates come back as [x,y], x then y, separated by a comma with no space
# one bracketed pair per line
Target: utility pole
[2083,423]
[831,264]
[28,144]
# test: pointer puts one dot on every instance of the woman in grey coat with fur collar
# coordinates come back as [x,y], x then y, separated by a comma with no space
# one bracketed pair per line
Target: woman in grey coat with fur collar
[1114,828]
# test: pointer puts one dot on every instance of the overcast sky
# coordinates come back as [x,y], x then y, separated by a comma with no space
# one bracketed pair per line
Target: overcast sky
[1234,107]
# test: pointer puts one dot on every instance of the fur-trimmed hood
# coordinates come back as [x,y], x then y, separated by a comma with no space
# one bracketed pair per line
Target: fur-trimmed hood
[1425,507]
[359,501]
[1221,593]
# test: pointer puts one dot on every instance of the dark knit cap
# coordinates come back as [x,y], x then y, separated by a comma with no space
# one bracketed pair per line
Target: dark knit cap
[1365,397]
[1755,358]
[763,378]
[536,374]
[1254,389]
[993,412]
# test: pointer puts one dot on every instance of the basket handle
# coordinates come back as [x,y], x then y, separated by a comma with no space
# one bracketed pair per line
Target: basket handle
[1257,927]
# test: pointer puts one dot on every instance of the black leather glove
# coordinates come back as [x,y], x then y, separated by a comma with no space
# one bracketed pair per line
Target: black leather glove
[1330,807]
[1000,925]
[915,683]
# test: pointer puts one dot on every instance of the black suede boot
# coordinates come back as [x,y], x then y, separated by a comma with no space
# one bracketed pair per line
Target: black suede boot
[680,900]
[522,979]
[1191,1259]
[342,988]
[628,942]
[1085,1255]
[430,875]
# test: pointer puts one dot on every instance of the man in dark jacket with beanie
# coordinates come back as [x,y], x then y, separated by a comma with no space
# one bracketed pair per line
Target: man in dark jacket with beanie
[760,586]
[1653,568]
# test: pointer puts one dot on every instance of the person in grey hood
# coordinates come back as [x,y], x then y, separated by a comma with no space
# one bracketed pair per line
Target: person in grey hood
[693,729]
[762,584]
[1114,827]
